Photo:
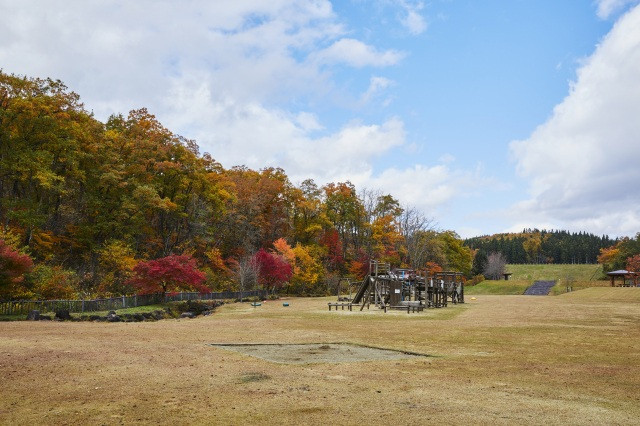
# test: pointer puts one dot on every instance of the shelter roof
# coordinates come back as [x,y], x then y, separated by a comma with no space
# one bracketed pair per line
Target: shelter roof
[621,272]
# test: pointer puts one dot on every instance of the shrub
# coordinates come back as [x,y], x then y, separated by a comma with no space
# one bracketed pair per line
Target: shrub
[477,279]
[53,282]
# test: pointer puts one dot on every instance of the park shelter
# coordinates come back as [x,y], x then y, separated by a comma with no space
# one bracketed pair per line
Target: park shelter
[629,278]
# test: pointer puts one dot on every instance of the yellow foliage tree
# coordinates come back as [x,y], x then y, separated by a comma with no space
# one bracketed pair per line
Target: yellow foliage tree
[117,260]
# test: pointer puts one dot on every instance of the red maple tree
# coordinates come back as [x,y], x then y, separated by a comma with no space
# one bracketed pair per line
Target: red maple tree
[13,266]
[274,270]
[331,240]
[169,273]
[633,263]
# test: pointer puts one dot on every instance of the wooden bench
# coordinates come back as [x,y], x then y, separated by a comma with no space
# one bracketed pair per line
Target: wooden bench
[342,305]
[408,308]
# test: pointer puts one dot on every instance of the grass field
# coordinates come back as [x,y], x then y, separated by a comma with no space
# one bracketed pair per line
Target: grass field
[570,359]
[555,272]
[498,287]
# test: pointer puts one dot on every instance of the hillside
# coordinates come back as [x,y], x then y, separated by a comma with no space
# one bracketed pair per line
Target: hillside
[575,272]
[577,277]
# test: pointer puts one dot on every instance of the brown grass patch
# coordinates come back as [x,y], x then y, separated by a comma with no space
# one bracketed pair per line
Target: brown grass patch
[570,359]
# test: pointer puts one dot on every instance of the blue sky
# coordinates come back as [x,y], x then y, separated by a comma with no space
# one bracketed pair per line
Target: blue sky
[488,116]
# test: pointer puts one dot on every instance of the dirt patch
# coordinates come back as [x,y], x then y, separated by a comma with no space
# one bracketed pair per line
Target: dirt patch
[310,353]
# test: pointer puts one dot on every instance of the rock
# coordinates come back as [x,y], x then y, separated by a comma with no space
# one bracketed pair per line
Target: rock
[33,315]
[187,315]
[206,313]
[44,318]
[94,317]
[112,317]
[63,314]
[111,313]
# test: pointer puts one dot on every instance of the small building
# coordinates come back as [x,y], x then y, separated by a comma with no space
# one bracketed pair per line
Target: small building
[629,278]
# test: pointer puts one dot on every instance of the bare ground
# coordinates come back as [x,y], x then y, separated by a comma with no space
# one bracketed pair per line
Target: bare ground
[570,359]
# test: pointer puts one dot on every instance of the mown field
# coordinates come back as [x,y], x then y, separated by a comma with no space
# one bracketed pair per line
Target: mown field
[569,359]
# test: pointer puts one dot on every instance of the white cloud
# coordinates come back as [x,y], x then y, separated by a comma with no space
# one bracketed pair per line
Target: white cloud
[607,7]
[121,55]
[357,54]
[253,135]
[583,162]
[430,188]
[376,86]
[413,20]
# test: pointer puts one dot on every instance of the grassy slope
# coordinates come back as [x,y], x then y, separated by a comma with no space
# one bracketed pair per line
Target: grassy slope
[577,276]
[555,272]
[498,360]
[498,287]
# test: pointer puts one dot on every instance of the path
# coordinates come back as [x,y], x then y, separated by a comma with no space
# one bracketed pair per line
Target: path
[540,288]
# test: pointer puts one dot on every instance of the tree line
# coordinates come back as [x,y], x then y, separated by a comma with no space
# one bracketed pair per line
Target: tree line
[96,209]
[542,246]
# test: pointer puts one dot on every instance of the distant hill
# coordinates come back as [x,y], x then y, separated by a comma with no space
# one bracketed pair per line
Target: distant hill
[542,246]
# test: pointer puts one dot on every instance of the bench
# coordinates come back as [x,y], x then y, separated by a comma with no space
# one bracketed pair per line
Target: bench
[408,308]
[342,305]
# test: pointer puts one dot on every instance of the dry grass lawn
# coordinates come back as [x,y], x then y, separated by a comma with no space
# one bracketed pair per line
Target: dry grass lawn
[568,359]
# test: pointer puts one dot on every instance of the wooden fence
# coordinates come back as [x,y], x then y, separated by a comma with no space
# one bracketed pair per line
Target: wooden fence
[19,307]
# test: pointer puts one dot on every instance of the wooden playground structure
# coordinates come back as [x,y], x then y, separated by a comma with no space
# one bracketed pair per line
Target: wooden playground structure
[403,289]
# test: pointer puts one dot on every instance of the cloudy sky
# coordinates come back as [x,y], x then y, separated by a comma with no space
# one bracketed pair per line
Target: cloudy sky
[489,116]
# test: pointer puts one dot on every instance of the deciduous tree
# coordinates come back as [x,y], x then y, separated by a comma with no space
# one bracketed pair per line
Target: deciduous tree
[170,273]
[13,266]
[496,263]
[633,263]
[274,271]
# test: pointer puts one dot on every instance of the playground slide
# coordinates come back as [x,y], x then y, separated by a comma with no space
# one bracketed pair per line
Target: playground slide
[361,291]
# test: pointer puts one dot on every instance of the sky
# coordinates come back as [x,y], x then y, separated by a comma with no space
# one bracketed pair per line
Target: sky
[489,116]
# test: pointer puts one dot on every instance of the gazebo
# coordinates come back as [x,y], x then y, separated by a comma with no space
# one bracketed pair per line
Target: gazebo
[629,278]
